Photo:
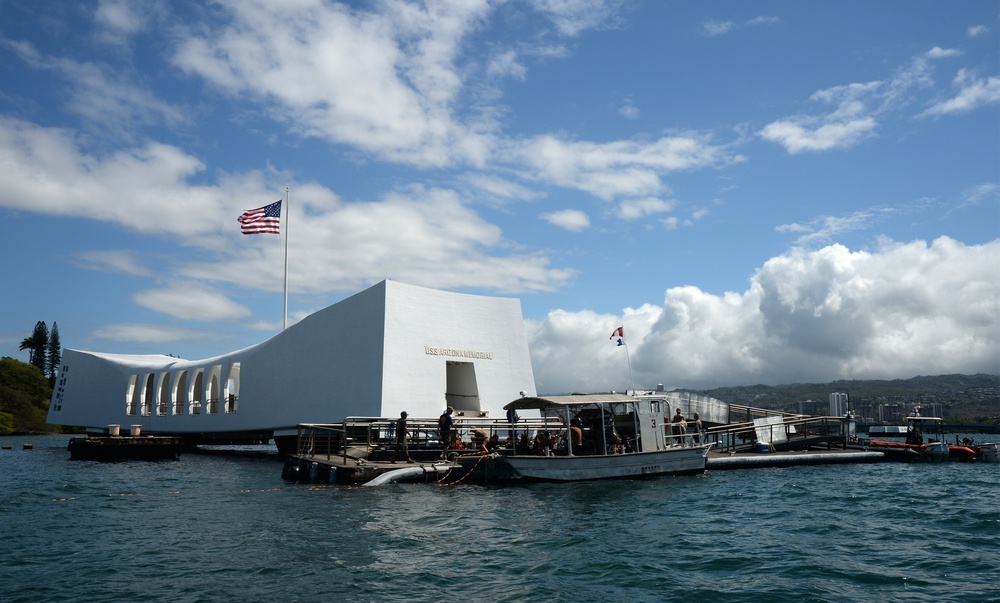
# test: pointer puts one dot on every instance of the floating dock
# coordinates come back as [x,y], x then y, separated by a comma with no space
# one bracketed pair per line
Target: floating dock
[791,458]
[124,448]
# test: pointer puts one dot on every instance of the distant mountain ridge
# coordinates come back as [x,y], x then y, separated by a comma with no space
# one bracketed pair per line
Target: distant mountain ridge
[972,397]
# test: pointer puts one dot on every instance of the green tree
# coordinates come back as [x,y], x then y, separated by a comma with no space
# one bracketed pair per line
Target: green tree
[24,398]
[36,345]
[54,356]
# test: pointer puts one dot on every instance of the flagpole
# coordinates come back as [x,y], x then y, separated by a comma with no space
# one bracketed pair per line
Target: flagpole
[288,212]
[629,361]
[623,341]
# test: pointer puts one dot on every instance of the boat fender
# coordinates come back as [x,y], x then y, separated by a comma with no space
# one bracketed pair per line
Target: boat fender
[292,472]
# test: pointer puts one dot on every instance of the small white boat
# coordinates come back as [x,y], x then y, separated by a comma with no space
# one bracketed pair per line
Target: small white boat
[936,452]
[597,436]
[987,452]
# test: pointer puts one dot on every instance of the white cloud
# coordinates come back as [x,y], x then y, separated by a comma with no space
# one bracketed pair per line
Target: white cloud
[857,107]
[977,30]
[145,333]
[111,104]
[845,125]
[628,110]
[713,27]
[825,229]
[120,261]
[192,301]
[973,92]
[117,20]
[572,17]
[808,316]
[807,134]
[424,236]
[976,194]
[499,188]
[506,64]
[569,219]
[615,169]
[717,28]
[763,20]
[635,209]
[383,82]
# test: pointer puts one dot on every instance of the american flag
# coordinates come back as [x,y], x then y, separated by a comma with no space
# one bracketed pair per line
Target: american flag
[265,219]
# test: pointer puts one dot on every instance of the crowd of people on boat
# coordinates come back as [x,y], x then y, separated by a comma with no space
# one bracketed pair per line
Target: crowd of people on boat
[583,437]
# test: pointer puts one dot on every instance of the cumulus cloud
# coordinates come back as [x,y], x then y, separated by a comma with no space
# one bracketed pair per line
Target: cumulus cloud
[383,81]
[427,237]
[423,236]
[570,219]
[832,313]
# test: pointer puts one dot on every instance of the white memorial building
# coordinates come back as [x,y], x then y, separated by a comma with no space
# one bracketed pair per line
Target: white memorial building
[390,348]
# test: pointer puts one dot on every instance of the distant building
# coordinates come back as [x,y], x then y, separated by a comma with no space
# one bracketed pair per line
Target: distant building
[809,407]
[838,404]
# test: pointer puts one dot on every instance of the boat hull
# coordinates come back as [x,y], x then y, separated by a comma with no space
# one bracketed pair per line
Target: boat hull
[672,461]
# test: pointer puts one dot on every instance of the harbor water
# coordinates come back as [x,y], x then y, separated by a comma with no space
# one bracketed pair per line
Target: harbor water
[225,527]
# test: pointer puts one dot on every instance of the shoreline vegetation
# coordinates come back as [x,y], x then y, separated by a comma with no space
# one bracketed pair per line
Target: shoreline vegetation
[966,399]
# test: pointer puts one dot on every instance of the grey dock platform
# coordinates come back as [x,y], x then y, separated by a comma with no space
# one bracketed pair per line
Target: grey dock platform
[790,458]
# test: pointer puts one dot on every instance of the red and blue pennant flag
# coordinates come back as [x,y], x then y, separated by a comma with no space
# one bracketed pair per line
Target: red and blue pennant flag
[263,220]
[619,334]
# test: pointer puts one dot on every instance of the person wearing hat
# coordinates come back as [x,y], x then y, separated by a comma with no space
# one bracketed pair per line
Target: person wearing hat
[696,428]
[402,438]
[445,424]
[679,427]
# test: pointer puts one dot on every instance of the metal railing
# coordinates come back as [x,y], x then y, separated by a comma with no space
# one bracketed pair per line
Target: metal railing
[794,429]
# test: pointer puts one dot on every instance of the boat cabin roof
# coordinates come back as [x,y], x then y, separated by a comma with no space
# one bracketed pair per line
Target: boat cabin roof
[924,419]
[544,402]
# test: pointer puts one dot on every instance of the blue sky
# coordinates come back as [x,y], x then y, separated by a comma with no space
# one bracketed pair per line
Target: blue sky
[760,192]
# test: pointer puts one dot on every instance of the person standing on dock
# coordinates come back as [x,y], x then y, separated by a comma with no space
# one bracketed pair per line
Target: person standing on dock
[445,424]
[696,428]
[402,438]
[678,427]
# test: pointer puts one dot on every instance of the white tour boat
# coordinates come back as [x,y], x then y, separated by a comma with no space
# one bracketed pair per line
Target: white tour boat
[591,437]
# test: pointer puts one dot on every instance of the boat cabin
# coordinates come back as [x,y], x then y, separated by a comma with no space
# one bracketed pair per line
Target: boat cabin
[601,423]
